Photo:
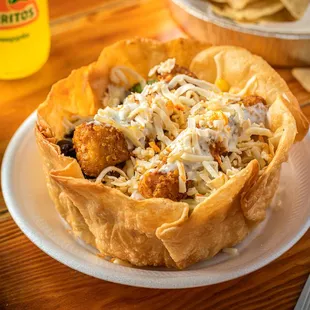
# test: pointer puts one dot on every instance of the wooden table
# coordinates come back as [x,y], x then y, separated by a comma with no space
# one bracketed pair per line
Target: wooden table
[30,279]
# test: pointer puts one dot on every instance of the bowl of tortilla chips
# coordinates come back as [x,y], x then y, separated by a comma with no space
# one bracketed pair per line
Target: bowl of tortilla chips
[260,10]
[279,31]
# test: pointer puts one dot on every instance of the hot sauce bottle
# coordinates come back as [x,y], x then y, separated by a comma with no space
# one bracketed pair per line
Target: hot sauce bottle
[24,37]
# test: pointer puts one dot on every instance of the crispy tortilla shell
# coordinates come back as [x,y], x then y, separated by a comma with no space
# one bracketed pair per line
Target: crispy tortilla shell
[160,231]
[214,224]
[52,160]
[257,199]
[123,227]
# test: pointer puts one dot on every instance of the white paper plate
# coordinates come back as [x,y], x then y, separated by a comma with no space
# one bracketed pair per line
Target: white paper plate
[27,199]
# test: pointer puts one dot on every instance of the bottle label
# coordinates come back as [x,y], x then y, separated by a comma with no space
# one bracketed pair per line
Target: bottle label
[17,13]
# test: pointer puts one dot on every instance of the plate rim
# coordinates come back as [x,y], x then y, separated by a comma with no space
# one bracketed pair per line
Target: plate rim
[196,12]
[76,263]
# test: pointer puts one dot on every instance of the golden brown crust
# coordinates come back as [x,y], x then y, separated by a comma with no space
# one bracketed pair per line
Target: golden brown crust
[159,231]
[98,147]
[167,77]
[252,100]
[161,185]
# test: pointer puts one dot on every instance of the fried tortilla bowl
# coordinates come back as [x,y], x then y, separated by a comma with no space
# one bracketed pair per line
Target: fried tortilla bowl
[159,231]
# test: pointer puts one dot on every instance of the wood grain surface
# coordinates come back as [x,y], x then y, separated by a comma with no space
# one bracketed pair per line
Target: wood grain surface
[30,279]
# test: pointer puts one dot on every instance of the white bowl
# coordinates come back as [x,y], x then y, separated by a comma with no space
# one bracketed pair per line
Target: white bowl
[27,199]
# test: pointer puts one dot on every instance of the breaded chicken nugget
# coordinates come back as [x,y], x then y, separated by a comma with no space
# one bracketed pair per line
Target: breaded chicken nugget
[252,100]
[98,146]
[161,185]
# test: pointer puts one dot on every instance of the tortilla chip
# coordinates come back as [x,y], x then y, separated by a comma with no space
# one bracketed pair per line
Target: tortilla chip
[302,75]
[281,16]
[252,12]
[160,231]
[261,10]
[236,4]
[297,8]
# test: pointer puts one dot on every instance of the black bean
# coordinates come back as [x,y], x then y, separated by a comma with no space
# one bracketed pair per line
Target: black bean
[121,165]
[88,177]
[66,148]
[114,174]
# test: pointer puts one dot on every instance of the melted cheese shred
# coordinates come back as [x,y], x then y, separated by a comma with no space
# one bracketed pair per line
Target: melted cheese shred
[118,76]
[205,134]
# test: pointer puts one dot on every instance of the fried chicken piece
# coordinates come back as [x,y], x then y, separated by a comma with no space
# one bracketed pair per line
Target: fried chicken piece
[252,100]
[167,77]
[99,146]
[161,185]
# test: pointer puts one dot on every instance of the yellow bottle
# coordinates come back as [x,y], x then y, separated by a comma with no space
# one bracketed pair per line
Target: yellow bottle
[24,37]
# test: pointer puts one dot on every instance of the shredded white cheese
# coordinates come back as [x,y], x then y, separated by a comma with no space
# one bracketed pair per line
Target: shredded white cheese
[164,67]
[205,134]
[182,177]
[107,170]
[118,76]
